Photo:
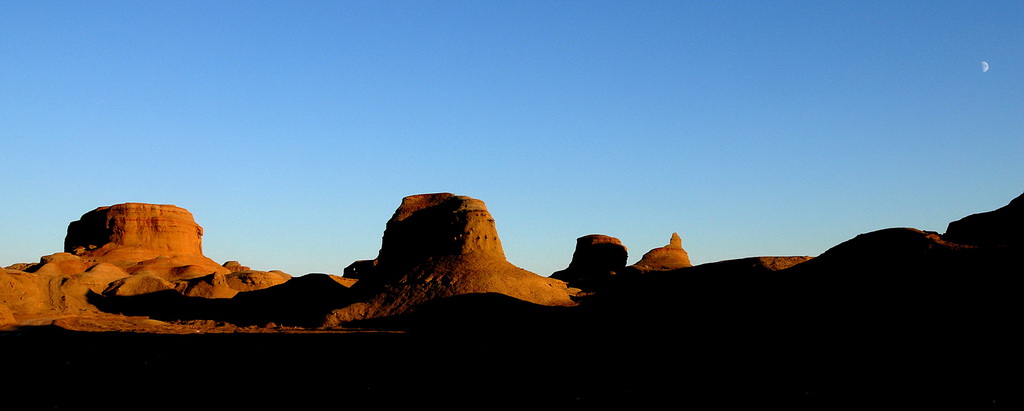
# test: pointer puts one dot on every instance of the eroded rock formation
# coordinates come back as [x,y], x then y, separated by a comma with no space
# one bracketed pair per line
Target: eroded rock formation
[126,250]
[669,257]
[251,280]
[154,239]
[596,258]
[441,245]
[6,317]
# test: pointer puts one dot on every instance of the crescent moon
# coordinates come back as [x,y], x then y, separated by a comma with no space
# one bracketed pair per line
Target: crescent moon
[984,66]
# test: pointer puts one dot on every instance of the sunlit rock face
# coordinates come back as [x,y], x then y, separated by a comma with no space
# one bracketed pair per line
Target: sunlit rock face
[441,245]
[669,257]
[126,250]
[162,228]
[156,239]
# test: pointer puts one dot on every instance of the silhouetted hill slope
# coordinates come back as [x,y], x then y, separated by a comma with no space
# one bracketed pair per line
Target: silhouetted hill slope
[1003,226]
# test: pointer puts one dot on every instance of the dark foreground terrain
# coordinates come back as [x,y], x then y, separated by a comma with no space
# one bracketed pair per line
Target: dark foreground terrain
[895,318]
[52,368]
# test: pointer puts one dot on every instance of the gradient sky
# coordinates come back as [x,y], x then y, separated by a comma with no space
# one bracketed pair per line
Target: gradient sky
[292,130]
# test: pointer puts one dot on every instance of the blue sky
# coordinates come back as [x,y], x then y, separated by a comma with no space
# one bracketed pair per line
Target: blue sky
[292,130]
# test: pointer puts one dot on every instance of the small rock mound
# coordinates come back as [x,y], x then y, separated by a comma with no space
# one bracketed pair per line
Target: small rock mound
[138,285]
[252,280]
[60,264]
[669,257]
[210,286]
[235,266]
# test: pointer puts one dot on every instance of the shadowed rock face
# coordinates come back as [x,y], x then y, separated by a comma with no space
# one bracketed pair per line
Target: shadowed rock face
[598,252]
[595,259]
[441,245]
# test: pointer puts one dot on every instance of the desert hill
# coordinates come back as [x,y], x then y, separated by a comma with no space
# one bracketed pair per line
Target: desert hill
[897,316]
[124,250]
[437,246]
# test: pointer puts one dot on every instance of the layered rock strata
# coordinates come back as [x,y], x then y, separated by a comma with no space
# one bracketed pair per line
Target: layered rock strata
[156,239]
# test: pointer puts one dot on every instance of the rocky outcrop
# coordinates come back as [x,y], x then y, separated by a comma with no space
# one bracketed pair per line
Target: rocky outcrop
[1000,227]
[24,292]
[57,285]
[596,258]
[669,257]
[235,266]
[252,280]
[209,286]
[77,289]
[437,246]
[138,285]
[161,228]
[151,239]
[122,251]
[63,264]
[428,226]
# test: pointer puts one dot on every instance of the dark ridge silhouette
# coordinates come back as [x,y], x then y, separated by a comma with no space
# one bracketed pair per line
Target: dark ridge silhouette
[1000,227]
[302,301]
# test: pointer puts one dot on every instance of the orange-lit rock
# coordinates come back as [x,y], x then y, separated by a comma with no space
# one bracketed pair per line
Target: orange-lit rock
[669,257]
[152,239]
[6,317]
[251,280]
[441,245]
[59,264]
